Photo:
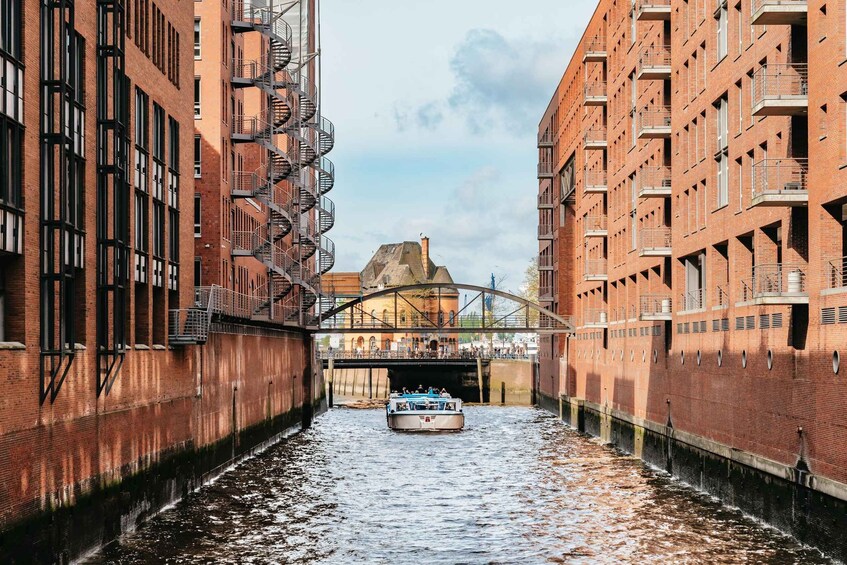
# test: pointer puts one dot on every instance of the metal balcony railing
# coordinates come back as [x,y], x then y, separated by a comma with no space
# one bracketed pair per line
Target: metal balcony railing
[780,181]
[654,62]
[595,181]
[545,139]
[545,169]
[774,281]
[595,90]
[545,292]
[545,261]
[654,180]
[654,121]
[654,239]
[545,199]
[595,49]
[722,297]
[595,137]
[655,306]
[835,273]
[595,268]
[595,224]
[694,299]
[596,317]
[780,87]
[545,231]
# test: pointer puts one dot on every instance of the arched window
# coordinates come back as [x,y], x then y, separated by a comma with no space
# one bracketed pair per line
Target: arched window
[373,319]
[403,316]
[385,316]
[452,318]
[387,344]
[441,317]
[372,343]
[416,319]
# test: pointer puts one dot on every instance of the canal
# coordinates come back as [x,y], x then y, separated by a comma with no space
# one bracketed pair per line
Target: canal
[517,486]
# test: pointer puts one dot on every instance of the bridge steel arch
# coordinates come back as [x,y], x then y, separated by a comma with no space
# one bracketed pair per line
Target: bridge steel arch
[526,317]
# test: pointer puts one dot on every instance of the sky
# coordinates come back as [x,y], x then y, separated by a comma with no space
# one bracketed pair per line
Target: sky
[436,107]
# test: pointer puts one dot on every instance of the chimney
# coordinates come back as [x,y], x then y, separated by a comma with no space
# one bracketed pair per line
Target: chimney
[425,256]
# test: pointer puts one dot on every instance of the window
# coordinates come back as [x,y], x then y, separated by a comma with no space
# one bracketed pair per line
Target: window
[158,229]
[197,215]
[722,30]
[198,272]
[141,222]
[196,38]
[173,235]
[723,180]
[141,140]
[197,157]
[196,98]
[10,25]
[158,152]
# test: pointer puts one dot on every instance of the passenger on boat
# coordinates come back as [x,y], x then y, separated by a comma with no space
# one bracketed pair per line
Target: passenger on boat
[444,392]
[420,389]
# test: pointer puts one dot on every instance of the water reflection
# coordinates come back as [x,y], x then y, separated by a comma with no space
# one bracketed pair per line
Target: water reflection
[515,487]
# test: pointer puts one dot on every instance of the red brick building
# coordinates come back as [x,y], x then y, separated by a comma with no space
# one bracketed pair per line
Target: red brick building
[693,219]
[261,175]
[123,387]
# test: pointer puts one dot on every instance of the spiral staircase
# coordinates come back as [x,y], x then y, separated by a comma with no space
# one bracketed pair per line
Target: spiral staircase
[293,180]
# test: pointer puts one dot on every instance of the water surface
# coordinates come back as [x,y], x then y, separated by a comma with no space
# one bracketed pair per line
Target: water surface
[516,486]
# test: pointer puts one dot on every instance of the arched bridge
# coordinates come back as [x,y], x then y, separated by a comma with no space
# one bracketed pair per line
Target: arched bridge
[435,307]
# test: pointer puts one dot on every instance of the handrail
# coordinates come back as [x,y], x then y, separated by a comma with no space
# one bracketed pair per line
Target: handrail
[779,81]
[655,304]
[835,273]
[654,117]
[780,176]
[694,299]
[654,238]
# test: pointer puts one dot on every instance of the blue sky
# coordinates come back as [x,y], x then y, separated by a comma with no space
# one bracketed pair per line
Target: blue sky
[436,106]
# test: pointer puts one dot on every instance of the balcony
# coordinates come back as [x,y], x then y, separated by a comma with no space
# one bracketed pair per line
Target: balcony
[545,293]
[779,12]
[595,138]
[780,182]
[595,182]
[596,318]
[652,10]
[595,226]
[545,170]
[654,182]
[781,90]
[776,284]
[835,274]
[654,242]
[545,232]
[545,139]
[595,270]
[693,300]
[654,123]
[545,262]
[722,297]
[654,63]
[654,307]
[595,50]
[545,200]
[595,93]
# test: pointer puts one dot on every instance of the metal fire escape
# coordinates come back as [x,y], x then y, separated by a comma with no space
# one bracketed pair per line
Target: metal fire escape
[60,240]
[112,193]
[297,207]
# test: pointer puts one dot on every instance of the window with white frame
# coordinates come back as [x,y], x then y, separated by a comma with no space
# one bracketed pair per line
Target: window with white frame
[197,38]
[722,19]
[196,98]
[197,215]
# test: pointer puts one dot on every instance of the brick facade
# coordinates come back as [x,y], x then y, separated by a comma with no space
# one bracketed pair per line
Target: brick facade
[689,167]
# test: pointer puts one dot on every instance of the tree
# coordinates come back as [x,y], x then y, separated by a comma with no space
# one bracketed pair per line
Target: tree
[529,287]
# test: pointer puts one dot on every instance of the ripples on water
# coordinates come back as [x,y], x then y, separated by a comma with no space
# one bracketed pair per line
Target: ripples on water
[516,486]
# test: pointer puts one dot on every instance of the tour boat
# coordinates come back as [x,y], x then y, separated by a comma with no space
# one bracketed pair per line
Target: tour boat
[428,411]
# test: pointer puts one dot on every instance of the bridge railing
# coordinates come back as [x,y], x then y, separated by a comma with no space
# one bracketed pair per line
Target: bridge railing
[344,354]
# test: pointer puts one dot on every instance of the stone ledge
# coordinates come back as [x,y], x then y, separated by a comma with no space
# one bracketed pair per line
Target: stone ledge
[12,346]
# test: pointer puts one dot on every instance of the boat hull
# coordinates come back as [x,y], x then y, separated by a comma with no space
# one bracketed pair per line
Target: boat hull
[432,422]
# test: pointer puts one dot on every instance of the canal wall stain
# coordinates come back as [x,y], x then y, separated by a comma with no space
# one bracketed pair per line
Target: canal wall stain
[72,484]
[787,498]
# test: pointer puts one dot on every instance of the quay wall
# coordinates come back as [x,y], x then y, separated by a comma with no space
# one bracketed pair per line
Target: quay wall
[810,507]
[78,472]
